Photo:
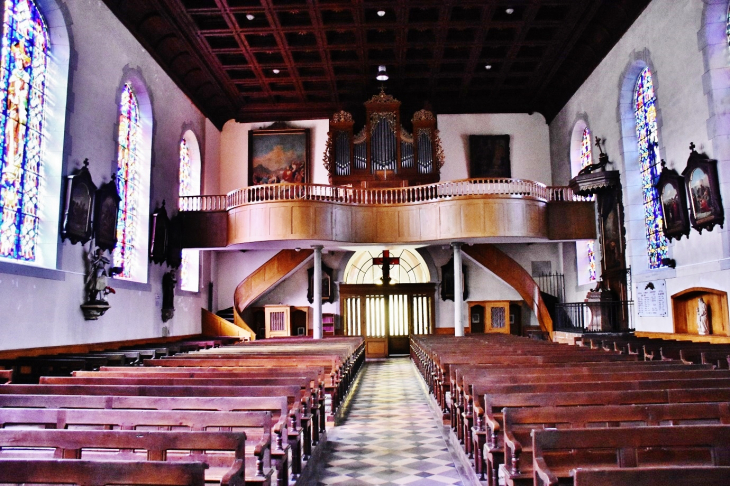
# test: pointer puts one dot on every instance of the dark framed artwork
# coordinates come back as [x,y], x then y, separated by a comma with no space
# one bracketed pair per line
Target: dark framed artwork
[278,154]
[327,294]
[703,192]
[159,234]
[673,196]
[489,156]
[447,281]
[78,206]
[106,210]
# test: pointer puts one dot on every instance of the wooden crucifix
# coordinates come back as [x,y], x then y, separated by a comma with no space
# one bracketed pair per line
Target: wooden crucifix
[386,262]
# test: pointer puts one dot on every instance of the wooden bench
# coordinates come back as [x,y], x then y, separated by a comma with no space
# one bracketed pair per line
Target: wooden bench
[557,452]
[518,424]
[256,425]
[491,426]
[226,466]
[94,473]
[278,406]
[651,476]
[6,376]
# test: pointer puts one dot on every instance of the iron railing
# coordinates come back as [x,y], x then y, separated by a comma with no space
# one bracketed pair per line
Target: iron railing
[584,317]
[552,284]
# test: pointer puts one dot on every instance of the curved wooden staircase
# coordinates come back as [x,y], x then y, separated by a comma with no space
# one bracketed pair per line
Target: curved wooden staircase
[263,279]
[504,267]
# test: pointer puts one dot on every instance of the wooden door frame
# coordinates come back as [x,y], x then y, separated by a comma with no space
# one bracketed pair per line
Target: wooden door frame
[377,347]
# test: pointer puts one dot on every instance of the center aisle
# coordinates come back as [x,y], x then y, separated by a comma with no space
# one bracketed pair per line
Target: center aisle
[388,436]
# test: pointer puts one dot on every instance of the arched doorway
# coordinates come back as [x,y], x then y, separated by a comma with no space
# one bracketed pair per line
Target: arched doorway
[386,297]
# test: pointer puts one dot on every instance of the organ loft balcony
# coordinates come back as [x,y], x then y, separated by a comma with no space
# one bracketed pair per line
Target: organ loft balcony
[279,216]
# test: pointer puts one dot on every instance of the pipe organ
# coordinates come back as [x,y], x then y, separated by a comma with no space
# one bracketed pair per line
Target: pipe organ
[383,153]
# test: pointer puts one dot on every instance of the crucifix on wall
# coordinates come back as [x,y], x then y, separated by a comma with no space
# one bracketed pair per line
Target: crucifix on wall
[386,261]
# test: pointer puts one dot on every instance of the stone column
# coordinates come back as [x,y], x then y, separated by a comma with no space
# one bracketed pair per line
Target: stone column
[317,291]
[458,292]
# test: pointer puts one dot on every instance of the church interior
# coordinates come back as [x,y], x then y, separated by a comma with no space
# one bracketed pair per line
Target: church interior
[441,205]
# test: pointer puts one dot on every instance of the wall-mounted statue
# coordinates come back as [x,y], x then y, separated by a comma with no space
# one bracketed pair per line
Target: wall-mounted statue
[96,287]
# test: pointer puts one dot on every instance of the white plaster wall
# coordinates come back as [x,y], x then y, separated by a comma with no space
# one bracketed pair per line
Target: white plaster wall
[212,151]
[529,143]
[45,311]
[666,36]
[234,151]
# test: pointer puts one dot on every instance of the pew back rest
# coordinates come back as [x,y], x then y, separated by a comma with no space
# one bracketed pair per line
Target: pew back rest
[94,473]
[556,452]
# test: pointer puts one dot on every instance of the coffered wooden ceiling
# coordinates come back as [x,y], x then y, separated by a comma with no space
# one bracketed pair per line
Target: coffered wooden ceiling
[263,60]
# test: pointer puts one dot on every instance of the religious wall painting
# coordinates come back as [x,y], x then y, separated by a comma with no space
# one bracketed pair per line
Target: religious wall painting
[106,209]
[612,241]
[159,235]
[78,206]
[489,156]
[703,191]
[447,281]
[327,293]
[673,197]
[278,154]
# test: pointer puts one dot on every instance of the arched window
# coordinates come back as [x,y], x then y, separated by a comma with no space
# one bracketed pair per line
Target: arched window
[23,69]
[586,159]
[128,174]
[648,139]
[189,186]
[727,24]
[411,268]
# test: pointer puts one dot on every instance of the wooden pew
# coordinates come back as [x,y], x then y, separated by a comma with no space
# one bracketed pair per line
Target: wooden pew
[105,445]
[256,425]
[293,394]
[277,406]
[6,376]
[87,473]
[651,476]
[518,424]
[557,452]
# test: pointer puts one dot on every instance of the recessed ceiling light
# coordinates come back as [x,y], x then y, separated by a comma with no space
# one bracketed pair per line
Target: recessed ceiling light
[510,11]
[382,75]
[381,13]
[250,16]
[276,71]
[488,67]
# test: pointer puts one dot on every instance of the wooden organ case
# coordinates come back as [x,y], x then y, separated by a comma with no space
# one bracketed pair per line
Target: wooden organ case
[383,153]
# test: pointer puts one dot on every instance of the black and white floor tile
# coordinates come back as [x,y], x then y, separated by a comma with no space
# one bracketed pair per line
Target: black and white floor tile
[388,435]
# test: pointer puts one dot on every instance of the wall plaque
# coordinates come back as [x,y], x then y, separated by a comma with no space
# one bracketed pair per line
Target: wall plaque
[651,298]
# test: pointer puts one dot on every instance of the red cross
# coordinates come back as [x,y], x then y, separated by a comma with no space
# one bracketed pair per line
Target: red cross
[386,262]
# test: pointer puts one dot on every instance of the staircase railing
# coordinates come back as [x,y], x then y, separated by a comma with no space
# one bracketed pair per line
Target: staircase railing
[586,317]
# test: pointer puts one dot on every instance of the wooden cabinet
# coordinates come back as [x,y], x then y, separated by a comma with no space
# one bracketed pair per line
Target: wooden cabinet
[278,320]
[490,316]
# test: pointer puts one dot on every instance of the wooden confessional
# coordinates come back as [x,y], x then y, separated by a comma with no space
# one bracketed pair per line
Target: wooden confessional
[383,153]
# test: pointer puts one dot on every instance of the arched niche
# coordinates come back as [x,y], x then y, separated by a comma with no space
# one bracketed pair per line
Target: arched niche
[684,307]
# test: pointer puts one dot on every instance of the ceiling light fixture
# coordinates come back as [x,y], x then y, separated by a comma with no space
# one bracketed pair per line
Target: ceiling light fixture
[510,11]
[488,67]
[382,75]
[250,16]
[276,71]
[381,13]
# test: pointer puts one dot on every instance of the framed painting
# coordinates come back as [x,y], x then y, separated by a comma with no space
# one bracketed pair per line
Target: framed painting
[278,154]
[327,294]
[78,206]
[106,209]
[703,192]
[673,196]
[489,156]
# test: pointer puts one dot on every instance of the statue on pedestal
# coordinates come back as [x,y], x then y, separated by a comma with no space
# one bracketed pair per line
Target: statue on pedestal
[168,295]
[703,319]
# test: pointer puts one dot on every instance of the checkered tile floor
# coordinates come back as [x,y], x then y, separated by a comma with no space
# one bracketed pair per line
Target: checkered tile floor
[388,435]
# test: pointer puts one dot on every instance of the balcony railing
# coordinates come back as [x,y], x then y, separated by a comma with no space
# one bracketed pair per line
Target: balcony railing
[584,317]
[394,195]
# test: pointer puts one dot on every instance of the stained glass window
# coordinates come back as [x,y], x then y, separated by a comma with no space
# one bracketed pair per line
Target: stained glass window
[190,267]
[22,92]
[648,135]
[586,155]
[128,173]
[727,24]
[586,158]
